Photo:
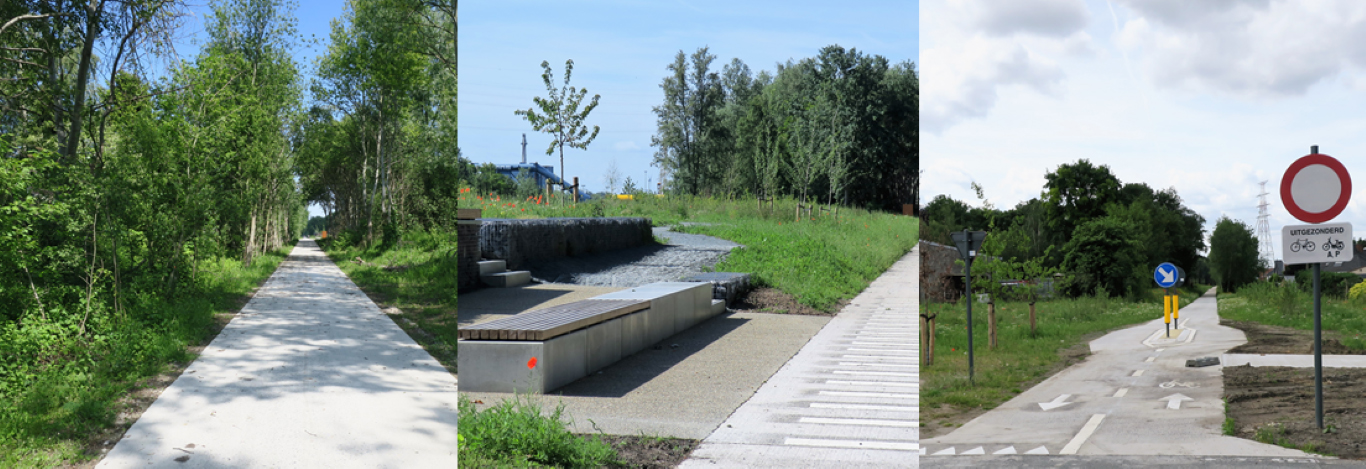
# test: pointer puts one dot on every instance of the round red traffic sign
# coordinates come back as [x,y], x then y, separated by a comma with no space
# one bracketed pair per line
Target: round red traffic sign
[1316,188]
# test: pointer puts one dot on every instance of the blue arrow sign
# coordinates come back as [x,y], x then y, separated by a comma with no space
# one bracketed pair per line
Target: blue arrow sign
[1165,275]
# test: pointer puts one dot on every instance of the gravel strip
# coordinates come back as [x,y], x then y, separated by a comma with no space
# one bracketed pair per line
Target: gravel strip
[686,254]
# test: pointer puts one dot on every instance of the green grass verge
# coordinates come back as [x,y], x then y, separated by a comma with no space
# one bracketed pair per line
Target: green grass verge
[60,389]
[1289,306]
[516,433]
[1021,358]
[417,275]
[820,260]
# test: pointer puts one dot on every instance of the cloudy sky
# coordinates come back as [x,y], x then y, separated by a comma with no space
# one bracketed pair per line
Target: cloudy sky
[1209,97]
[620,50]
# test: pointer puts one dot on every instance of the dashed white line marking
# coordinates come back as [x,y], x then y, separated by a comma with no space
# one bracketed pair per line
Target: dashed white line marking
[1086,431]
[876,373]
[1192,336]
[1121,392]
[879,350]
[853,444]
[895,408]
[1150,359]
[898,344]
[881,357]
[884,365]
[875,383]
[1138,373]
[872,422]
[890,395]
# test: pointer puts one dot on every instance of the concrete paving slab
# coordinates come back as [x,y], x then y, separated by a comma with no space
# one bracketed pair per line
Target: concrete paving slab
[849,398]
[1298,361]
[485,305]
[1121,399]
[309,374]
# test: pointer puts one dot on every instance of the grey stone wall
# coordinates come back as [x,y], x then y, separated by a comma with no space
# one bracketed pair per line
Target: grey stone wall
[467,245]
[519,241]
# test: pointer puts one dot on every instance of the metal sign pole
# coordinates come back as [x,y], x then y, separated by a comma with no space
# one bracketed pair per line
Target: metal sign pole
[967,274]
[1318,351]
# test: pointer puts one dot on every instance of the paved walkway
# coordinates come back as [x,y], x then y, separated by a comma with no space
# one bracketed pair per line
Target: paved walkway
[1133,396]
[309,374]
[849,398]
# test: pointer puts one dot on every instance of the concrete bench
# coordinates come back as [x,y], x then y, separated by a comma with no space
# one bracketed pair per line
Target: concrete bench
[574,340]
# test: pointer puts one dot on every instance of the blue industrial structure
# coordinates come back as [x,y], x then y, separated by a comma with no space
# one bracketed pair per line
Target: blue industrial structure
[542,174]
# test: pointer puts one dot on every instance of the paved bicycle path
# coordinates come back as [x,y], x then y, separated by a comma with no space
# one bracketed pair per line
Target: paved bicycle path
[309,374]
[849,398]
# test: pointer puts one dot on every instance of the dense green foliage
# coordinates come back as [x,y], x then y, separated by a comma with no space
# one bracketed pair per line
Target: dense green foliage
[841,127]
[377,148]
[1233,255]
[1098,231]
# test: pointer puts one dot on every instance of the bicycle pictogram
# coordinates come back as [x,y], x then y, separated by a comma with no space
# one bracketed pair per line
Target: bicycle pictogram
[1304,244]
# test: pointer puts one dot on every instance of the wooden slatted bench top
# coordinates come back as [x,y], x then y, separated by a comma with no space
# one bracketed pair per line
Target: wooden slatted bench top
[544,324]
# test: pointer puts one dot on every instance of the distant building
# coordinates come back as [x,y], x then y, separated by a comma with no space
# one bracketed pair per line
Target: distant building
[542,174]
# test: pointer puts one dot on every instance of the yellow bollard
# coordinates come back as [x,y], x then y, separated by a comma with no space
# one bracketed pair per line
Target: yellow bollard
[1176,310]
[1167,313]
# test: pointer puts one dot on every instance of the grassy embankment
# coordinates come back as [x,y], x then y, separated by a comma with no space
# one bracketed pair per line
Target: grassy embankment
[820,260]
[1021,359]
[1290,306]
[61,393]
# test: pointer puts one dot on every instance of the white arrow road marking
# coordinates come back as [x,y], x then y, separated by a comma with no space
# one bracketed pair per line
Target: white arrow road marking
[1008,450]
[1174,400]
[977,450]
[1057,402]
[1086,431]
[1039,450]
[1166,275]
[945,452]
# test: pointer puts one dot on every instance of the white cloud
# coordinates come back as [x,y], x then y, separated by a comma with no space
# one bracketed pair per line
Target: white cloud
[1056,18]
[1248,48]
[962,83]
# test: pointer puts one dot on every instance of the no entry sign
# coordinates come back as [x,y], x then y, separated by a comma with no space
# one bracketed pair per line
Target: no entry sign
[1316,188]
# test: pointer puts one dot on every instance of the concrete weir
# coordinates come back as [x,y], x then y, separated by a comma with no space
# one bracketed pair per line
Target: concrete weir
[544,365]
[517,241]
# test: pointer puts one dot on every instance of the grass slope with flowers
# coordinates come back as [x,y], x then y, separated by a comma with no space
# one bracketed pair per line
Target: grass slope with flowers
[821,259]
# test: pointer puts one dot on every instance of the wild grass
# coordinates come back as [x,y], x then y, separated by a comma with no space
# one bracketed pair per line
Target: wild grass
[517,433]
[1021,358]
[59,388]
[1290,306]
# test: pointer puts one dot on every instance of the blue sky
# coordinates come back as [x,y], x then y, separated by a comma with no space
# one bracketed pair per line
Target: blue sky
[620,50]
[1210,98]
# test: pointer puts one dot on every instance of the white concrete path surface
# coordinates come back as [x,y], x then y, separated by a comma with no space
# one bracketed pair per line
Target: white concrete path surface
[1298,361]
[849,398]
[309,374]
[1133,396]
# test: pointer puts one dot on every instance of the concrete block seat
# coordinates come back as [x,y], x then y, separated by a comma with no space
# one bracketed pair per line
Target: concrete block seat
[573,340]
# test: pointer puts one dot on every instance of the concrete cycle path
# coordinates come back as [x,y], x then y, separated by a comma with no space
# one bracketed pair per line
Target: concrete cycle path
[1133,396]
[309,374]
[848,398]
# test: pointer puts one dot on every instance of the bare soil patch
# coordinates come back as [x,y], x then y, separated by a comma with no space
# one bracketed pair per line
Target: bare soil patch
[1262,338]
[649,452]
[1275,405]
[773,300]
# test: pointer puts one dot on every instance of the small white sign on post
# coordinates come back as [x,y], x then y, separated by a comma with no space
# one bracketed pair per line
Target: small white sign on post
[1307,244]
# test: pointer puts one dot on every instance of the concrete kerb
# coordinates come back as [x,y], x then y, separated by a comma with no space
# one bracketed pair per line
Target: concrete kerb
[506,366]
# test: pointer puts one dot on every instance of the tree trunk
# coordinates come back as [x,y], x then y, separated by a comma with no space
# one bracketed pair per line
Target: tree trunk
[991,325]
[93,12]
[251,241]
[1031,319]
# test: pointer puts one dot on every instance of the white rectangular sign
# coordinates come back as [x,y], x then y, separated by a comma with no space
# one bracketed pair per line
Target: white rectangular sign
[1308,244]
